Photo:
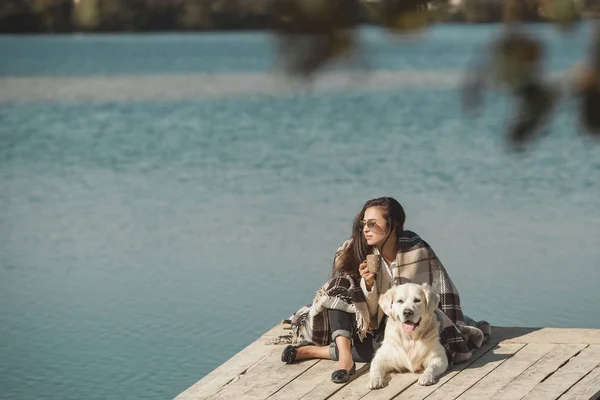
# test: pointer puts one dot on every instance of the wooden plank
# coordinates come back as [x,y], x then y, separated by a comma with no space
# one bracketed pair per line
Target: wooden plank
[237,387]
[265,379]
[398,383]
[547,365]
[275,331]
[417,391]
[231,370]
[354,390]
[548,335]
[275,380]
[475,372]
[559,382]
[325,389]
[586,389]
[502,333]
[507,371]
[310,379]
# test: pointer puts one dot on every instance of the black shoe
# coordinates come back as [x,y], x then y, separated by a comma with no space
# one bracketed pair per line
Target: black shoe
[289,353]
[342,375]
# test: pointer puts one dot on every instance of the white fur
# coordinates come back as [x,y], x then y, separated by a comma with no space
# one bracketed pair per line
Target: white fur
[416,351]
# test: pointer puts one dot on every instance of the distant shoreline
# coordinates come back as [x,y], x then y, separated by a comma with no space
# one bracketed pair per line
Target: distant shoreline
[118,16]
[243,28]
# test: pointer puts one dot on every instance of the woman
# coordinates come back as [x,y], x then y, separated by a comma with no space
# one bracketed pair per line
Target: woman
[345,323]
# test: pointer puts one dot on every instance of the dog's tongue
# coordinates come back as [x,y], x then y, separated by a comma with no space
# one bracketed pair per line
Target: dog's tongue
[408,326]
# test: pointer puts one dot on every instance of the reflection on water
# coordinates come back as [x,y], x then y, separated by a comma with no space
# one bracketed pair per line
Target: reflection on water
[192,86]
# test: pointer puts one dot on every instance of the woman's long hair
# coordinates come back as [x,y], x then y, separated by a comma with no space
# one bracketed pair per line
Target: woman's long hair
[347,261]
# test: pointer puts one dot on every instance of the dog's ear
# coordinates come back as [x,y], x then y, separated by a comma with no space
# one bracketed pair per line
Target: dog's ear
[386,300]
[433,299]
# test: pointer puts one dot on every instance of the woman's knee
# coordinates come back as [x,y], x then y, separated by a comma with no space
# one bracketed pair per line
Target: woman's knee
[341,332]
[341,324]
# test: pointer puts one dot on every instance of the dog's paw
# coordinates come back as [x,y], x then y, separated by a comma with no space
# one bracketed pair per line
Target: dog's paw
[375,382]
[427,379]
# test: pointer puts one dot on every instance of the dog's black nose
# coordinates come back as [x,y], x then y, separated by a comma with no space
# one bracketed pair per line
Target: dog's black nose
[407,313]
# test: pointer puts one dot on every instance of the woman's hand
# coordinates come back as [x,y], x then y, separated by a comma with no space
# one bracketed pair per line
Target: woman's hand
[366,275]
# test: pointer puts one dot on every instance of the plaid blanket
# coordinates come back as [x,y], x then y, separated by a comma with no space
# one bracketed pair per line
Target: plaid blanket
[416,262]
[311,324]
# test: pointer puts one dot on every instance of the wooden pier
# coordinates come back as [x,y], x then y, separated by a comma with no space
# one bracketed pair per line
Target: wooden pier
[516,363]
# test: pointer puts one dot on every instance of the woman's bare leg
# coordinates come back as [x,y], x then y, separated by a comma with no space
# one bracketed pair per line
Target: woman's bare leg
[344,353]
[322,352]
[305,352]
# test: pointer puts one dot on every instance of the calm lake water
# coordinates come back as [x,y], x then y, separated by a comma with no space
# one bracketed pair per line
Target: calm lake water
[147,236]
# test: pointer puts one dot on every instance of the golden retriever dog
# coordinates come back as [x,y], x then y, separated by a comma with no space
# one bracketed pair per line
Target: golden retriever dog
[412,339]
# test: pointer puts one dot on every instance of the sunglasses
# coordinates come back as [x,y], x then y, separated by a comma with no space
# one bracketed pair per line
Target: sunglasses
[371,223]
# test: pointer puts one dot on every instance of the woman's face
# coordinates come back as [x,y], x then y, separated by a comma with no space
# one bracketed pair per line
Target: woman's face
[374,226]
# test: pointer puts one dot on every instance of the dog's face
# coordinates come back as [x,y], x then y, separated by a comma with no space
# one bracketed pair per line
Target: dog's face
[409,303]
